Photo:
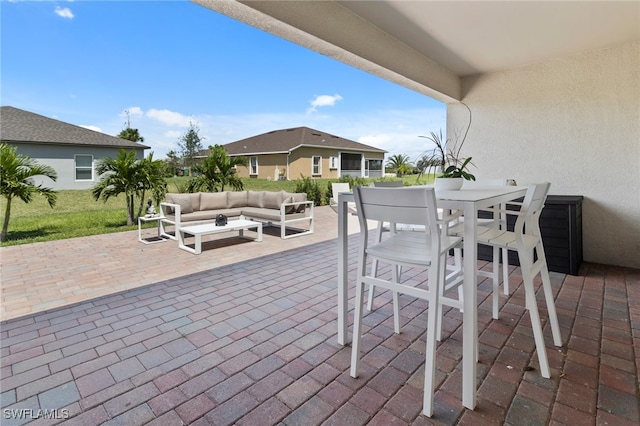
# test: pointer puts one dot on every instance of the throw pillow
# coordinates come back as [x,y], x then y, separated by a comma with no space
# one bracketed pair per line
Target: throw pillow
[272,200]
[255,199]
[289,209]
[213,200]
[184,201]
[237,199]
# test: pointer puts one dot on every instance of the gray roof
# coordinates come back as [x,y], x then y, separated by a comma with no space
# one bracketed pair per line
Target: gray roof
[286,140]
[20,126]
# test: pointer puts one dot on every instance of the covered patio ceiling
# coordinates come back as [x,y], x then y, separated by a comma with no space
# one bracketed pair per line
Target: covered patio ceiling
[428,46]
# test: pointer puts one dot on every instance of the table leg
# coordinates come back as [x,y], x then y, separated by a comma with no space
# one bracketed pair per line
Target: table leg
[343,279]
[470,313]
[259,229]
[181,236]
[198,244]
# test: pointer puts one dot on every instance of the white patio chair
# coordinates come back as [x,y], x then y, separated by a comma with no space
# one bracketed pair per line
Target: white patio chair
[452,279]
[526,240]
[382,227]
[337,188]
[498,221]
[412,249]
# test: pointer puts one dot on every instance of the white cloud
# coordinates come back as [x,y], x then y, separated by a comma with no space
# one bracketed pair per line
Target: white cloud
[322,101]
[169,118]
[133,112]
[64,12]
[94,128]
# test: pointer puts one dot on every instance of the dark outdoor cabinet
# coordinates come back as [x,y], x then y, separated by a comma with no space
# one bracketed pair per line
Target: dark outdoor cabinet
[561,229]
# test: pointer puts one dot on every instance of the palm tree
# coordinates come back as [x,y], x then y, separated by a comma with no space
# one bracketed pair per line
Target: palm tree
[125,174]
[152,179]
[217,171]
[131,135]
[399,163]
[16,173]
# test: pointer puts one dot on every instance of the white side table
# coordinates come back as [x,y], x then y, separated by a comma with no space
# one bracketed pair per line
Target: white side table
[151,240]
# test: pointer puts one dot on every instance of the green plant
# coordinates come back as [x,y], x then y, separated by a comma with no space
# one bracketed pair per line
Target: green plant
[17,171]
[446,155]
[311,188]
[351,180]
[132,177]
[455,171]
[399,164]
[217,171]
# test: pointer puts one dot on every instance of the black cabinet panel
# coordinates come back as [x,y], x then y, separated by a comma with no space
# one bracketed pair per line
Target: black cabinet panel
[561,230]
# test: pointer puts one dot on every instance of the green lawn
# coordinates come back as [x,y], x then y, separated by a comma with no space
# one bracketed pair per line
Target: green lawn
[77,214]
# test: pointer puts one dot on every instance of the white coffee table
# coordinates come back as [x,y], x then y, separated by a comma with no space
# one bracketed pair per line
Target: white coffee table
[198,231]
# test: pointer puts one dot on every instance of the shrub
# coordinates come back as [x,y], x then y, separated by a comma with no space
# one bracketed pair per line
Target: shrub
[311,188]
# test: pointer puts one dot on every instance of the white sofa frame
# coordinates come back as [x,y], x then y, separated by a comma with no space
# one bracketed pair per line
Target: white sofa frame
[284,222]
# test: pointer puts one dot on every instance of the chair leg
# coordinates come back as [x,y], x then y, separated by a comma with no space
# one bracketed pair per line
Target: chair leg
[532,306]
[374,267]
[433,321]
[357,330]
[551,306]
[372,290]
[457,260]
[437,307]
[396,302]
[495,278]
[505,271]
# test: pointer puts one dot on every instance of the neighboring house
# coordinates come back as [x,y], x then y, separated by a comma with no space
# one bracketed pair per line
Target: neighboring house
[71,150]
[301,151]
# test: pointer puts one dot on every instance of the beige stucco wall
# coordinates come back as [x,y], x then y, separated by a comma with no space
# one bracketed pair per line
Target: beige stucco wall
[300,163]
[574,122]
[267,165]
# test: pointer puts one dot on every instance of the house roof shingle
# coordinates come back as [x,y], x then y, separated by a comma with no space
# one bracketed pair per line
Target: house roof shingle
[286,140]
[20,126]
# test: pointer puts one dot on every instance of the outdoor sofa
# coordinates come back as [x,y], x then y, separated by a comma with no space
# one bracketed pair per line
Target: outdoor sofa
[274,208]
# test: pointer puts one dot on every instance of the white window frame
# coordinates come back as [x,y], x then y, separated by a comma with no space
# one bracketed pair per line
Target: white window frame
[333,162]
[84,168]
[253,172]
[316,169]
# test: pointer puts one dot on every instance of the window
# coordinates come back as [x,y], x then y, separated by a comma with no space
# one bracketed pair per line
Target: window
[316,168]
[253,165]
[84,167]
[333,162]
[375,164]
[350,162]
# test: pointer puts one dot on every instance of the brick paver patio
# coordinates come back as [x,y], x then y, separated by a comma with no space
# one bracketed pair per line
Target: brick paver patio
[246,334]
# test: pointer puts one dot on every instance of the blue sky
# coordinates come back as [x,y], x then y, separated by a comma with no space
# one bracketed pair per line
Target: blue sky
[172,62]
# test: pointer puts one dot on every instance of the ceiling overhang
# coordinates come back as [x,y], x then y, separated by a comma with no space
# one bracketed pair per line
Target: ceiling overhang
[428,46]
[373,51]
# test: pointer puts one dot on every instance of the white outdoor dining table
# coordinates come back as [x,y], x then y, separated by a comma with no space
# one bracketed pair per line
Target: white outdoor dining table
[469,201]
